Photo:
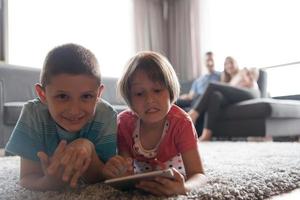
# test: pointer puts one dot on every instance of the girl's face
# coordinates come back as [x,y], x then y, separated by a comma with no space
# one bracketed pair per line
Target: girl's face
[230,68]
[149,100]
[71,100]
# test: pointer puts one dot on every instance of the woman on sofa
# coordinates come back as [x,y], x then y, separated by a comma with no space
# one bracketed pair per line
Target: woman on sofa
[236,85]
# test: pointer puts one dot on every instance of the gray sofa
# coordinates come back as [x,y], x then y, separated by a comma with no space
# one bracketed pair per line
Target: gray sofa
[260,117]
[17,87]
[257,117]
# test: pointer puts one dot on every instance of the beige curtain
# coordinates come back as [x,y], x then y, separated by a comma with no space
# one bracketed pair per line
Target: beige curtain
[170,27]
[150,25]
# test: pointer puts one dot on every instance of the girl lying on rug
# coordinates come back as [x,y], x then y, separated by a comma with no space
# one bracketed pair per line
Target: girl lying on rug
[155,134]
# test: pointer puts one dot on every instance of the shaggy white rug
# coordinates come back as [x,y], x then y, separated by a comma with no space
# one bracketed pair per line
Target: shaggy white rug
[236,170]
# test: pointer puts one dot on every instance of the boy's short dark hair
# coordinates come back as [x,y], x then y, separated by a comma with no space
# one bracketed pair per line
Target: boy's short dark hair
[70,59]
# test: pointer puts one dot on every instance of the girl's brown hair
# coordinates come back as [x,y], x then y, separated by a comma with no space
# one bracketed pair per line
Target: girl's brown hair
[158,69]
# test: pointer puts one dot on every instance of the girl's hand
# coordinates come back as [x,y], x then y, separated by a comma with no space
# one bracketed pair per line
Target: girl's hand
[117,166]
[162,186]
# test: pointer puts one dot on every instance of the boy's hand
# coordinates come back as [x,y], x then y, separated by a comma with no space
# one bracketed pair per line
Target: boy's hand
[117,166]
[54,178]
[51,166]
[162,186]
[76,160]
[45,161]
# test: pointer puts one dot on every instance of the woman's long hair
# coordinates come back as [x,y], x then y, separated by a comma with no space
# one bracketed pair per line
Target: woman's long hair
[225,76]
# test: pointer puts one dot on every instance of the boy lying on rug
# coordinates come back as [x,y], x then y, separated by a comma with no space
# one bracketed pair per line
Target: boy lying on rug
[69,132]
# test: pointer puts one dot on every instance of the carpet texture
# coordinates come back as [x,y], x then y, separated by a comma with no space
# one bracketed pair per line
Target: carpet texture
[236,170]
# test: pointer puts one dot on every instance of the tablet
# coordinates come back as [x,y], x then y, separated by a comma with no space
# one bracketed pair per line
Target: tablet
[128,182]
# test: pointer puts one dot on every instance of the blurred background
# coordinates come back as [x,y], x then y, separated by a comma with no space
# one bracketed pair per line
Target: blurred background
[258,33]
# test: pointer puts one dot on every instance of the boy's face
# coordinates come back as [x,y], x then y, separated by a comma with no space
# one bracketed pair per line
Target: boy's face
[71,100]
[150,100]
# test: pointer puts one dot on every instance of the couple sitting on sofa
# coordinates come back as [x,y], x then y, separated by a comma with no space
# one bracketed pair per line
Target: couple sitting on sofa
[236,85]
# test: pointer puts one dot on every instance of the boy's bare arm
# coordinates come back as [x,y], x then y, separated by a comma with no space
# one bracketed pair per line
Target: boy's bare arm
[94,173]
[49,173]
[34,175]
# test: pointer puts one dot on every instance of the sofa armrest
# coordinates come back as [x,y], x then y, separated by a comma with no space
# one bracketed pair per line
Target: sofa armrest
[16,85]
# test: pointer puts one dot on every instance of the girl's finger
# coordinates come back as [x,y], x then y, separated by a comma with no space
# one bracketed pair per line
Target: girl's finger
[115,171]
[164,181]
[120,164]
[150,186]
[129,164]
[177,175]
[109,173]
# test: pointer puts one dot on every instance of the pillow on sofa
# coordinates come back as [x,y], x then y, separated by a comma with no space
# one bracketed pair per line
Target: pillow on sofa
[12,111]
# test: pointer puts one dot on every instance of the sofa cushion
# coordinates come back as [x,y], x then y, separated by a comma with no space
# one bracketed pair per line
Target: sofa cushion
[110,93]
[261,108]
[185,86]
[120,108]
[12,111]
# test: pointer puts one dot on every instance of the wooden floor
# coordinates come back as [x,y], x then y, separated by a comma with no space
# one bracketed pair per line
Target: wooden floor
[293,195]
[1,152]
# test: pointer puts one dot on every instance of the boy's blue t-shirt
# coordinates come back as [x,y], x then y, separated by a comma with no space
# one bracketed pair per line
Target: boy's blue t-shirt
[37,131]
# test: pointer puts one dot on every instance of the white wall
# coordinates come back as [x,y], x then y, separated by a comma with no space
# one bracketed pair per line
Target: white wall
[258,33]
[105,27]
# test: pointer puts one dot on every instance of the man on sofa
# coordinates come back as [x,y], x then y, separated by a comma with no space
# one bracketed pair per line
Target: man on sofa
[186,101]
[199,85]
